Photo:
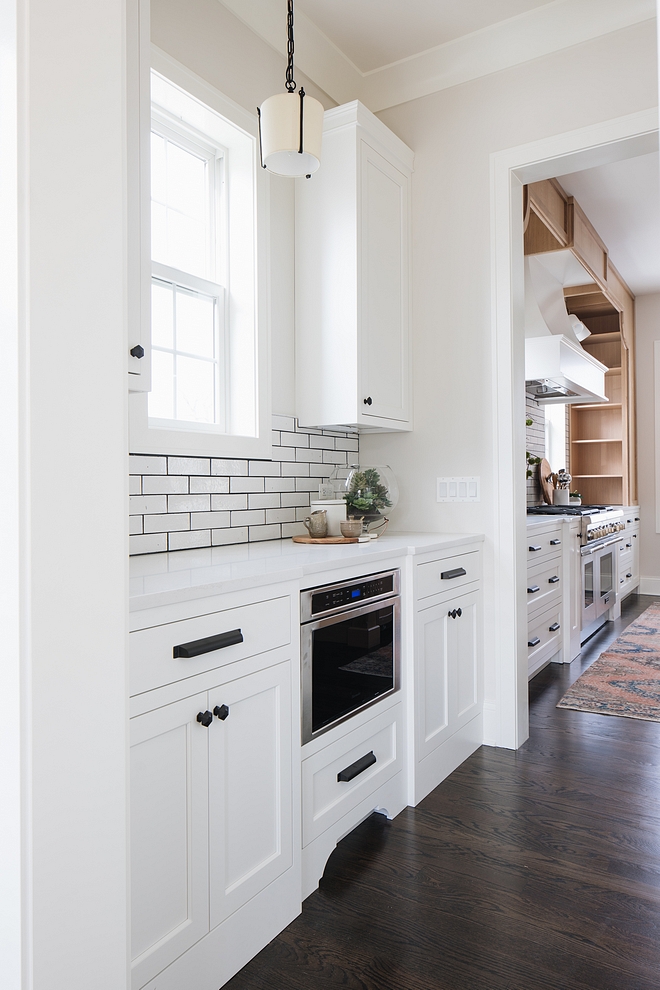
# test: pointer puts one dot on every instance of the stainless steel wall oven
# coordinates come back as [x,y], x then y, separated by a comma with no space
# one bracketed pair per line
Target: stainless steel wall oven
[350,649]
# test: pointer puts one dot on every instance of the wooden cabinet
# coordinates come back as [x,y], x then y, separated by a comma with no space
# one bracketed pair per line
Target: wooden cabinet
[603,459]
[448,676]
[353,278]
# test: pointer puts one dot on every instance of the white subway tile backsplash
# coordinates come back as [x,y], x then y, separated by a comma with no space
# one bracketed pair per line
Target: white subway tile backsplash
[225,537]
[264,501]
[147,544]
[209,520]
[259,533]
[139,505]
[229,502]
[164,486]
[295,440]
[230,468]
[250,517]
[179,503]
[141,464]
[239,485]
[292,469]
[280,484]
[264,469]
[188,465]
[216,486]
[280,515]
[167,522]
[284,423]
[189,541]
[188,503]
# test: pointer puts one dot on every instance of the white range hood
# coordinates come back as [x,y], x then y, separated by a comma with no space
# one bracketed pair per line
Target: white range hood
[559,370]
[557,367]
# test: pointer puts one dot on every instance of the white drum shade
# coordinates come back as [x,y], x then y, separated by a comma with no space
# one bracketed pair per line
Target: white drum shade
[280,134]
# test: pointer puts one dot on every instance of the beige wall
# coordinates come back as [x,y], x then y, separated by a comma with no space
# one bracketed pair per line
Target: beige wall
[453,134]
[647,331]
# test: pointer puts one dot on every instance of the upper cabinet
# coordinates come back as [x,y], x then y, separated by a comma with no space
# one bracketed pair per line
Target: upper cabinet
[353,361]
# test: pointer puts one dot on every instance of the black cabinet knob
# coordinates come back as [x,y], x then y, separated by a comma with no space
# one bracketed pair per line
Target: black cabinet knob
[451,614]
[205,718]
[628,575]
[368,401]
[221,711]
[459,612]
[137,351]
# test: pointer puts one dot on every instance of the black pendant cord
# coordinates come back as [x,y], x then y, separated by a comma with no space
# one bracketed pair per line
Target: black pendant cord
[290,83]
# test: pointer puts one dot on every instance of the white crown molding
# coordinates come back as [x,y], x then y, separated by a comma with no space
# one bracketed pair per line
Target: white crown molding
[542,31]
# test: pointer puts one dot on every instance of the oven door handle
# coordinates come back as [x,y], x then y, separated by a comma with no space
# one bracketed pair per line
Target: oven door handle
[355,769]
[599,546]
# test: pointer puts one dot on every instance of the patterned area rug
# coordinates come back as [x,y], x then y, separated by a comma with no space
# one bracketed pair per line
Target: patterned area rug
[625,680]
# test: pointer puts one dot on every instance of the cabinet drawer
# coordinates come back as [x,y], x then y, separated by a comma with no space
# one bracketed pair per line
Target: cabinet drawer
[232,635]
[544,637]
[326,798]
[448,574]
[543,545]
[543,584]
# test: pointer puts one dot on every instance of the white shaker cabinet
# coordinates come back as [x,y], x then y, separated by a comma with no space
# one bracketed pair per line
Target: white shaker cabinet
[448,714]
[353,363]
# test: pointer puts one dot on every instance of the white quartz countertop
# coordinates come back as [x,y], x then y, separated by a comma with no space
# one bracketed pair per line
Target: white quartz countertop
[182,575]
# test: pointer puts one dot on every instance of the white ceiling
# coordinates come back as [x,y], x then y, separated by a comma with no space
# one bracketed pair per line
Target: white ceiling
[375,33]
[387,52]
[622,200]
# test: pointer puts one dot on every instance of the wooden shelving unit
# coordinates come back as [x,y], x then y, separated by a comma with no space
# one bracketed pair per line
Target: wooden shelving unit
[602,443]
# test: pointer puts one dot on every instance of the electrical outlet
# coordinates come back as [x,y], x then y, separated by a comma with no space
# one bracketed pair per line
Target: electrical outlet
[459,490]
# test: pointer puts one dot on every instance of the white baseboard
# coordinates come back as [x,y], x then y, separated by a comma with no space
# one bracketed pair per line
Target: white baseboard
[649,586]
[491,725]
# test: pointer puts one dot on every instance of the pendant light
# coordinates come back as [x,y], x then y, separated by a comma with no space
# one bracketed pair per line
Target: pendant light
[290,124]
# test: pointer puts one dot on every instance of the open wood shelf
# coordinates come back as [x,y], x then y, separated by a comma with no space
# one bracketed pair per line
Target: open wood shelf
[597,476]
[597,405]
[600,440]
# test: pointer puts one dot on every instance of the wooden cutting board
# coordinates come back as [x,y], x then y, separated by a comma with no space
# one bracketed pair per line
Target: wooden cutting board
[545,480]
[324,539]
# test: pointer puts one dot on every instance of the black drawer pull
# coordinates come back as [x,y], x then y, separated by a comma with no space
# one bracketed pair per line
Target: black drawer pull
[208,645]
[636,518]
[555,543]
[456,572]
[533,589]
[634,536]
[628,575]
[533,642]
[534,549]
[554,627]
[629,545]
[553,580]
[357,768]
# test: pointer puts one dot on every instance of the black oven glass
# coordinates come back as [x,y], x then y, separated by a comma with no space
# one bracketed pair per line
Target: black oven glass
[352,663]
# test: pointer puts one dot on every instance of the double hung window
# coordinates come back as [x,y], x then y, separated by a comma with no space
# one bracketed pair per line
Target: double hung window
[207,338]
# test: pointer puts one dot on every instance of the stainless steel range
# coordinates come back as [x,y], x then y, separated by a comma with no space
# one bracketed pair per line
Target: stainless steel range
[600,540]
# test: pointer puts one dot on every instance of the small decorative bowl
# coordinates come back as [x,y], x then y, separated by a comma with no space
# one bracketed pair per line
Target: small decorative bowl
[351,528]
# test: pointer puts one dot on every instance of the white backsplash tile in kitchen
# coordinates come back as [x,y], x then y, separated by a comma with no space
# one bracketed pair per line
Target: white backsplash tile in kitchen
[180,503]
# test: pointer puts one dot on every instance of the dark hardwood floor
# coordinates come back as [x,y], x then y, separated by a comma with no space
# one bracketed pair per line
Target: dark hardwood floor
[530,870]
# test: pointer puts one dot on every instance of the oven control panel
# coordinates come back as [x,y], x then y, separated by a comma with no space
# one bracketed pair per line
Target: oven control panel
[351,594]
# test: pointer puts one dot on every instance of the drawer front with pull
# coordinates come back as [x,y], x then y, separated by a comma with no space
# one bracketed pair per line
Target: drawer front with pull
[543,544]
[168,653]
[544,638]
[438,576]
[543,584]
[337,778]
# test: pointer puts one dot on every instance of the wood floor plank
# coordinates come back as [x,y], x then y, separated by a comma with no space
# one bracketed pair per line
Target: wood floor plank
[530,870]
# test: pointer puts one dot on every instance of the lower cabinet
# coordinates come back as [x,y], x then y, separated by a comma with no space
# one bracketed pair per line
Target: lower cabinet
[448,688]
[211,809]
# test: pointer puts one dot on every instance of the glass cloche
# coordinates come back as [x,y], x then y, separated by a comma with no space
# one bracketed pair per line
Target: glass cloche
[370,492]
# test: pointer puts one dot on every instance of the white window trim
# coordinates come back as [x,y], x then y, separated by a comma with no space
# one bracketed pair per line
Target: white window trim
[145,438]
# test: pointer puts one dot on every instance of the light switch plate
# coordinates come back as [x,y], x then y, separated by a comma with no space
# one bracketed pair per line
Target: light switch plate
[459,489]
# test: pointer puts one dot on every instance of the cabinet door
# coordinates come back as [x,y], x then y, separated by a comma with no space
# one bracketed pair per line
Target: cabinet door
[384,282]
[250,785]
[447,670]
[169,835]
